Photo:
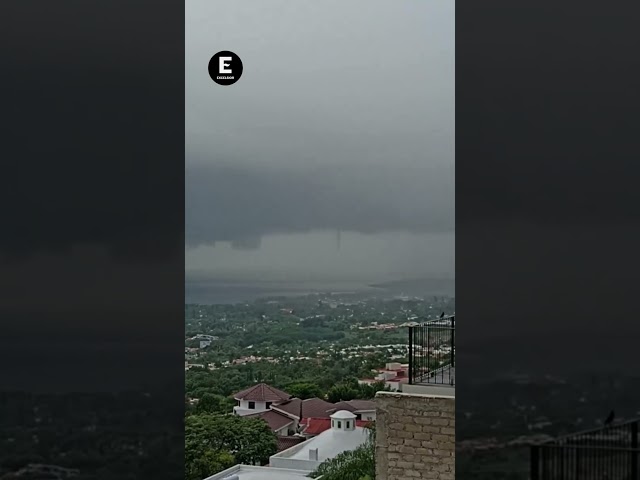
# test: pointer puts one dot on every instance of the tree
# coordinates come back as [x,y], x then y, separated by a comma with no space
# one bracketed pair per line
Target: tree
[210,439]
[369,391]
[341,393]
[350,390]
[305,390]
[211,403]
[201,463]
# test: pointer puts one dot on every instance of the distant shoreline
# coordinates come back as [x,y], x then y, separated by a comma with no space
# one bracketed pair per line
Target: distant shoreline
[217,292]
[422,286]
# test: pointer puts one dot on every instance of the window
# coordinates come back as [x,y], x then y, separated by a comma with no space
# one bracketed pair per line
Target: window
[339,424]
[268,405]
[347,424]
[252,405]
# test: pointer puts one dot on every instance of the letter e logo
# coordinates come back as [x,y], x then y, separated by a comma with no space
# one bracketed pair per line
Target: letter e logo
[224,64]
[225,68]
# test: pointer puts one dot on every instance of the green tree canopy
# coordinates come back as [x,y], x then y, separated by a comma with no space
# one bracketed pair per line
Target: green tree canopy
[351,390]
[212,403]
[305,390]
[218,441]
[202,463]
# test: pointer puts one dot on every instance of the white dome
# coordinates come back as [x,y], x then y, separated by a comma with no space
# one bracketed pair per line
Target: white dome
[343,415]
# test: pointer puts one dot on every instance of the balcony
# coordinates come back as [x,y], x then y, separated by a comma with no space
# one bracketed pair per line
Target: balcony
[610,452]
[432,354]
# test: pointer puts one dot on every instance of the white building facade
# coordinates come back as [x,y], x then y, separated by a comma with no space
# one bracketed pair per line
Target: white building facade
[343,435]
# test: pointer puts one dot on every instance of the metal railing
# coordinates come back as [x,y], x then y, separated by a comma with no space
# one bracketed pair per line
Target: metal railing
[610,452]
[432,352]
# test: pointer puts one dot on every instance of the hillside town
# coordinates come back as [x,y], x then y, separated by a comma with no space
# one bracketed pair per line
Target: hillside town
[300,375]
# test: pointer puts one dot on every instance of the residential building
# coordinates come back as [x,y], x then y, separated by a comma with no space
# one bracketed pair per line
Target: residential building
[315,426]
[310,407]
[362,409]
[394,375]
[302,457]
[343,435]
[258,398]
[280,424]
[289,415]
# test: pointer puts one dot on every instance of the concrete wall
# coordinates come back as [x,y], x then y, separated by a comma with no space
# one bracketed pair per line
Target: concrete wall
[437,390]
[415,436]
[283,459]
[368,416]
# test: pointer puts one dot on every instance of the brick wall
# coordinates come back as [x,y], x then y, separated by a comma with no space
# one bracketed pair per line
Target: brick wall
[415,436]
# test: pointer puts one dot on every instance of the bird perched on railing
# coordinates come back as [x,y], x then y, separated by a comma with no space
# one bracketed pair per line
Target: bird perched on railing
[610,418]
[442,315]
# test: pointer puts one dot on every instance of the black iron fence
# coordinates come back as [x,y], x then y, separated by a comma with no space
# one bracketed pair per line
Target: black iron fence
[610,453]
[432,352]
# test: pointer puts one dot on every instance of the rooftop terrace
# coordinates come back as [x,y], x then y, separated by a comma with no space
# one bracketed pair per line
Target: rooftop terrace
[432,353]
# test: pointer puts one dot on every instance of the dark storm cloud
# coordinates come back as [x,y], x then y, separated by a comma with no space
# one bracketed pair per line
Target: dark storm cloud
[342,122]
[227,203]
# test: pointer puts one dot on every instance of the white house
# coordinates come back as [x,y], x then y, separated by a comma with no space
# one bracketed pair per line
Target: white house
[258,398]
[280,424]
[343,435]
[362,409]
[394,375]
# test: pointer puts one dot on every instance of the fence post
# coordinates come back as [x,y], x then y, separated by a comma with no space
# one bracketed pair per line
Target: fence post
[535,462]
[634,452]
[410,355]
[429,362]
[453,341]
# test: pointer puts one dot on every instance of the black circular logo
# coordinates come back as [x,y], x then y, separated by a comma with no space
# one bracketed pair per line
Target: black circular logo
[225,68]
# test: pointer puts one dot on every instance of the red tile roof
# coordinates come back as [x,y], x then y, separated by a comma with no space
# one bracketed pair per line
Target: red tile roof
[315,426]
[292,406]
[354,406]
[275,420]
[262,393]
[360,405]
[311,407]
[288,442]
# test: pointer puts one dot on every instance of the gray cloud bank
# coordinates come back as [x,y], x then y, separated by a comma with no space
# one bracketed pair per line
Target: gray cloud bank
[240,203]
[343,119]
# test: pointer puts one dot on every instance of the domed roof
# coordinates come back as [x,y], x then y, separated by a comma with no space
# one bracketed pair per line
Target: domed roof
[343,414]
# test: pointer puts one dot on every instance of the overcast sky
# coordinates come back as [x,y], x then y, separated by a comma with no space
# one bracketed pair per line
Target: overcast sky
[343,119]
